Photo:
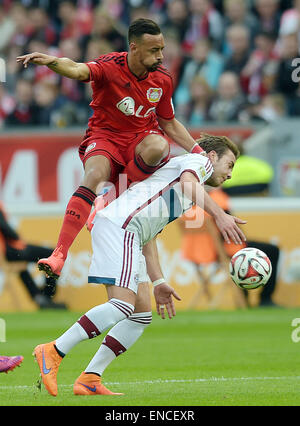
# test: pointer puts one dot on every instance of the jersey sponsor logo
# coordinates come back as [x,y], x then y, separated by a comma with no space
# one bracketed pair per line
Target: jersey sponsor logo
[127,107]
[90,147]
[154,94]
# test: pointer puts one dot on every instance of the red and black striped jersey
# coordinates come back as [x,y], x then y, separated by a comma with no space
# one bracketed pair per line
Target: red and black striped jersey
[122,101]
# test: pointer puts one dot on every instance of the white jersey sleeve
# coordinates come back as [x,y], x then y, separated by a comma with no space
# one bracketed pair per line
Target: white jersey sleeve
[198,164]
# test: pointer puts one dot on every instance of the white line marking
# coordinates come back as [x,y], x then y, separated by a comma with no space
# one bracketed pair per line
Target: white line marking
[162,381]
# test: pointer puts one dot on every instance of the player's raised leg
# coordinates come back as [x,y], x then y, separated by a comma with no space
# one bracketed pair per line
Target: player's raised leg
[97,170]
[149,155]
[145,158]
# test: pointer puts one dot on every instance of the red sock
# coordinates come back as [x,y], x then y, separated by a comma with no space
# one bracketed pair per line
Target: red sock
[76,215]
[137,170]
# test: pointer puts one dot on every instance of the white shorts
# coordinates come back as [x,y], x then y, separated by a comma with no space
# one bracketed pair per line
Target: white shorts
[117,257]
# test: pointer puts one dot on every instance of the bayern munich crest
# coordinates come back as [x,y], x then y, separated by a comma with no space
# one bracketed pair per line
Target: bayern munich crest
[154,94]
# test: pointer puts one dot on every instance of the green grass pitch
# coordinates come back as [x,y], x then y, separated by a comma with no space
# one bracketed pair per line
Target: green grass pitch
[206,358]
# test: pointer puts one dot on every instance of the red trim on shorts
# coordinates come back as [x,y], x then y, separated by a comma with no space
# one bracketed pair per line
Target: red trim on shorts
[103,152]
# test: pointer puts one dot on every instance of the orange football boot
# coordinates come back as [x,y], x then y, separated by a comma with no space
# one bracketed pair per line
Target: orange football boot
[49,361]
[90,384]
[53,264]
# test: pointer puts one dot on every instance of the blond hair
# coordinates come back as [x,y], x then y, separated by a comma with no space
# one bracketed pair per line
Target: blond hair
[219,144]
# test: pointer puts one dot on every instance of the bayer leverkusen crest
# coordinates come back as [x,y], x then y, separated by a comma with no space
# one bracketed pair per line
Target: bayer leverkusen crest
[154,94]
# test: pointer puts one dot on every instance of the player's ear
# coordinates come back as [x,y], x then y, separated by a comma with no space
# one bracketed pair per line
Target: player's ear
[213,156]
[133,46]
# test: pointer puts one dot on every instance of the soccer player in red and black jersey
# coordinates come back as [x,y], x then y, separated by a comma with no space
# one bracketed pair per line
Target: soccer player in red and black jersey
[132,104]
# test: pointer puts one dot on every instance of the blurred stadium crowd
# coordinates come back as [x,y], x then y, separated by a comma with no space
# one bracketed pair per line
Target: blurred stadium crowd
[231,60]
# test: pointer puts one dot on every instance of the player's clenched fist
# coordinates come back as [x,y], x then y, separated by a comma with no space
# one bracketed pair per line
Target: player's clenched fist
[36,58]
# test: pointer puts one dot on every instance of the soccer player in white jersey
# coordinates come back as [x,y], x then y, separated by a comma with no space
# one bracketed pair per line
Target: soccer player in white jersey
[124,252]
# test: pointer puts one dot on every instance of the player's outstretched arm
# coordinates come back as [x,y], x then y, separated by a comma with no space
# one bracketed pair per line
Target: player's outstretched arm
[62,66]
[227,224]
[163,293]
[152,260]
[178,133]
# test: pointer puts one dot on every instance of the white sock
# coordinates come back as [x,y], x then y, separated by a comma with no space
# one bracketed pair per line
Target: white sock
[70,338]
[93,323]
[120,338]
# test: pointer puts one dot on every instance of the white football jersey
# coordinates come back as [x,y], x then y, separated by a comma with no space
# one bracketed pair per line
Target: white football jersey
[148,206]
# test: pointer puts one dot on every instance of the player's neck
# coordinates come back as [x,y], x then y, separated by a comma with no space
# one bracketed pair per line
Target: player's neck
[135,68]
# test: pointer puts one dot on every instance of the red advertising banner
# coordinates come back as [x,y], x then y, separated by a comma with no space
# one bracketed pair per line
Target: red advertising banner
[39,167]
[45,166]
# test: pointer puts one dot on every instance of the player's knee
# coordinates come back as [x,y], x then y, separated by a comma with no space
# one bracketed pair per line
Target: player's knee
[142,318]
[154,150]
[97,170]
[93,177]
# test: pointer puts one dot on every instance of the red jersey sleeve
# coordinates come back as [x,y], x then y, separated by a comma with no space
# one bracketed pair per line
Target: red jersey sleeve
[96,71]
[165,108]
[97,67]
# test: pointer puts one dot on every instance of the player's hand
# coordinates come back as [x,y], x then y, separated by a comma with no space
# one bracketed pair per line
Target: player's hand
[163,295]
[36,58]
[229,229]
